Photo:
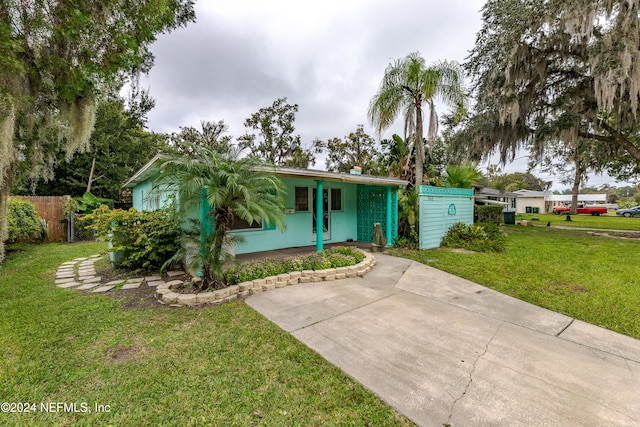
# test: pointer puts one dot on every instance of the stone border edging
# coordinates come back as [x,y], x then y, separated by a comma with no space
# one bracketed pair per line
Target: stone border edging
[242,290]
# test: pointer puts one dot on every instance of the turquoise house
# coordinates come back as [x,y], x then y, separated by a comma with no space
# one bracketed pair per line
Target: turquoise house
[348,205]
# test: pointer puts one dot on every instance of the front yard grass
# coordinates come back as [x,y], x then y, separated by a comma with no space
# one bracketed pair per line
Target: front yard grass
[610,221]
[587,277]
[156,365]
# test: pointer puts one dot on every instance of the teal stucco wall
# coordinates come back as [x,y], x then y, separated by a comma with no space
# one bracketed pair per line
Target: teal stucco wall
[299,231]
[440,208]
[145,198]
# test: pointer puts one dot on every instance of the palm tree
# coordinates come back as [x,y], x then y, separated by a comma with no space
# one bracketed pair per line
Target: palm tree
[461,176]
[407,85]
[235,188]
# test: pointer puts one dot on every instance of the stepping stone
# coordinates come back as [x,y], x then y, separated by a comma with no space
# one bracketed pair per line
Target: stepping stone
[65,276]
[95,256]
[102,289]
[155,283]
[68,285]
[135,280]
[80,259]
[68,263]
[135,285]
[152,278]
[88,286]
[90,279]
[64,280]
[174,283]
[175,273]
[86,273]
[115,282]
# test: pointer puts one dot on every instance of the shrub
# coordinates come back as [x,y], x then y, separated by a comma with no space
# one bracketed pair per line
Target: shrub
[23,220]
[482,237]
[339,256]
[489,213]
[410,241]
[147,239]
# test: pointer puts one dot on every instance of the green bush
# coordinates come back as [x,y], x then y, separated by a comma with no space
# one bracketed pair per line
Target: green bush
[489,213]
[481,237]
[23,220]
[147,239]
[339,256]
[411,241]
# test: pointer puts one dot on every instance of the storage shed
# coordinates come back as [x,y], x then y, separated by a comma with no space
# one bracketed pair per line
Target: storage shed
[440,208]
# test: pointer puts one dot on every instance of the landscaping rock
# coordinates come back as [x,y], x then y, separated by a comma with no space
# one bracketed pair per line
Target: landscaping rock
[155,283]
[205,297]
[174,283]
[245,286]
[88,286]
[187,299]
[103,289]
[175,273]
[69,285]
[170,298]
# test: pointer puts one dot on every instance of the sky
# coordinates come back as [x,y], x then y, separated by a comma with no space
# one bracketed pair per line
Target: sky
[328,57]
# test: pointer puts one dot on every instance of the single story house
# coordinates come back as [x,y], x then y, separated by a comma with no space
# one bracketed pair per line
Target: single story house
[529,201]
[349,204]
[587,199]
[491,196]
[535,202]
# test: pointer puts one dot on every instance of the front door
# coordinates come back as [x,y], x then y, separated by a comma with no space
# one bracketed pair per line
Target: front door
[325,214]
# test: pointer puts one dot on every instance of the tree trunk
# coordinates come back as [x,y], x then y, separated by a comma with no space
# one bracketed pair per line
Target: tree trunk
[576,186]
[419,148]
[90,181]
[4,209]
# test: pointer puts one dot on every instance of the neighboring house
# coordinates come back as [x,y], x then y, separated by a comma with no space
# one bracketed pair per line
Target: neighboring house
[529,201]
[565,199]
[535,202]
[349,205]
[491,196]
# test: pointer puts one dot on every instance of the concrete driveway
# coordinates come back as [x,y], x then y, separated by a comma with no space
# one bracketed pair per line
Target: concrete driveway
[445,351]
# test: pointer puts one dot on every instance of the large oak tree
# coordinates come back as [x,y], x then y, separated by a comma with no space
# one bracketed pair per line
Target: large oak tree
[557,70]
[56,58]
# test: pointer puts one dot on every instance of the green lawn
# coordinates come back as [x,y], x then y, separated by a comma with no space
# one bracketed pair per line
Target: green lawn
[154,365]
[610,221]
[587,277]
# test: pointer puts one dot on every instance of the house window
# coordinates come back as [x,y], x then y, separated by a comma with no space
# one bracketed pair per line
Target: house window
[302,199]
[241,224]
[153,200]
[336,199]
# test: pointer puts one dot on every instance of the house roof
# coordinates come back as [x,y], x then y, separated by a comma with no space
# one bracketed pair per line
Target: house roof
[531,193]
[151,169]
[581,197]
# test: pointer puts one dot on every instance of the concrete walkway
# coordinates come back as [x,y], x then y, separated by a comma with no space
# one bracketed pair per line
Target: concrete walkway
[444,351]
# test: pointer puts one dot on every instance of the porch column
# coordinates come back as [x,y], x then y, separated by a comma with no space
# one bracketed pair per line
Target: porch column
[319,216]
[389,211]
[205,222]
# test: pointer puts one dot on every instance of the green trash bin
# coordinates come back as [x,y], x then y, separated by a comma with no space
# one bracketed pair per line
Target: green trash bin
[509,218]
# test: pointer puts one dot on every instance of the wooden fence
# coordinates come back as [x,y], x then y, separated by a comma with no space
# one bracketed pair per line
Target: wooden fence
[49,208]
